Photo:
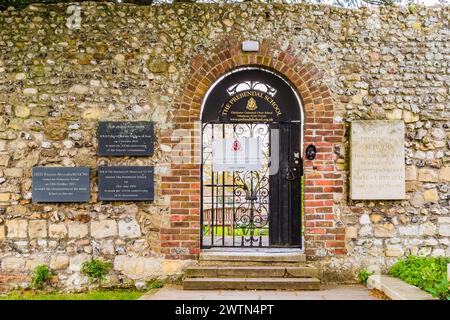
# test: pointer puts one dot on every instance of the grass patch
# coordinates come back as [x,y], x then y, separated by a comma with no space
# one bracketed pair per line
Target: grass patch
[218,231]
[91,295]
[429,274]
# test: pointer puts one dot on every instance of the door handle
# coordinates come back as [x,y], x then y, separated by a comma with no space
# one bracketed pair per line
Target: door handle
[290,175]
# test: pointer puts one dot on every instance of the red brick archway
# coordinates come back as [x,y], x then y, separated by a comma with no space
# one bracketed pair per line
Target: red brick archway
[322,180]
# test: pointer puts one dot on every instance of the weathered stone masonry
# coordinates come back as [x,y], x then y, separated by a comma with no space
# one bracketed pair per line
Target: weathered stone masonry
[130,62]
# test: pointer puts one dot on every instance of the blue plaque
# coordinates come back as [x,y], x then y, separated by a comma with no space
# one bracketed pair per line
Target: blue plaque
[125,183]
[125,138]
[61,184]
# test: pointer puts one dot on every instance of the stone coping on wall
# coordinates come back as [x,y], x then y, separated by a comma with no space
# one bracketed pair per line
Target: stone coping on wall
[397,289]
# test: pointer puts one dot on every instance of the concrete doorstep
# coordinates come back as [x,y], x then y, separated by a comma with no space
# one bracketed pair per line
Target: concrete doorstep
[397,289]
[327,292]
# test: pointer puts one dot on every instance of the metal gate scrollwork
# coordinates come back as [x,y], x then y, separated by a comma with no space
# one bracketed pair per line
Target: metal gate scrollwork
[235,204]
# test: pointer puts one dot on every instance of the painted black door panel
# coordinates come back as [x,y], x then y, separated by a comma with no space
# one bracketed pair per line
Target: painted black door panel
[285,189]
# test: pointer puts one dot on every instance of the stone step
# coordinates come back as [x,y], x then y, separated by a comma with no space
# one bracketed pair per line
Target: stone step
[252,257]
[247,264]
[251,284]
[397,289]
[252,272]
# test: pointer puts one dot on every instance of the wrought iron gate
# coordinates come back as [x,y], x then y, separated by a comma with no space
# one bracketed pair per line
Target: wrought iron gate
[235,205]
[252,208]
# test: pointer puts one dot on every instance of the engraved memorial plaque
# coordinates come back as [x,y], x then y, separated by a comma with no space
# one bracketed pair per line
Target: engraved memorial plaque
[125,183]
[61,184]
[377,168]
[125,138]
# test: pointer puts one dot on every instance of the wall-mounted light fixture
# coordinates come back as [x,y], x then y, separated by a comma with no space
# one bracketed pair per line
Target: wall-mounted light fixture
[250,45]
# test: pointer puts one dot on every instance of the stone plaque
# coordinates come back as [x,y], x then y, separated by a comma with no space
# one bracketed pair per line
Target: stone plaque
[61,184]
[377,167]
[125,183]
[125,138]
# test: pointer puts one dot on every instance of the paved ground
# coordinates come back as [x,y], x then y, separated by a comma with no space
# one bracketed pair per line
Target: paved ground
[330,292]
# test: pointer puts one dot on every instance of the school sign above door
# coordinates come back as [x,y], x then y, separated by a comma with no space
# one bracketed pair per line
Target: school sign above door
[251,106]
[251,95]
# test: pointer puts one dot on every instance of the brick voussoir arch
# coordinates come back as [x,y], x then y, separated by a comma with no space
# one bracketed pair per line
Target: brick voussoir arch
[323,234]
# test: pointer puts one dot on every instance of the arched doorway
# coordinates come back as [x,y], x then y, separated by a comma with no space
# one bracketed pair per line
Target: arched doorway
[251,161]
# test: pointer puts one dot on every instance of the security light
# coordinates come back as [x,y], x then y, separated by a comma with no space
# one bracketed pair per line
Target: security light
[250,46]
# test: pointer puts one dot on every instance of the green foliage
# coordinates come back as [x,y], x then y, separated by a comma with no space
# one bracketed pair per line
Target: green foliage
[380,2]
[441,290]
[155,284]
[412,7]
[363,275]
[359,3]
[41,275]
[20,4]
[426,273]
[96,270]
[91,295]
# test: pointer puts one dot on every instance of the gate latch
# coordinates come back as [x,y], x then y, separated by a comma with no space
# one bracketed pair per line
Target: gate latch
[290,174]
[294,173]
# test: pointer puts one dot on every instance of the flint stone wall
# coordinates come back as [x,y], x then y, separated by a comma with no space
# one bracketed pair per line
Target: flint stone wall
[129,62]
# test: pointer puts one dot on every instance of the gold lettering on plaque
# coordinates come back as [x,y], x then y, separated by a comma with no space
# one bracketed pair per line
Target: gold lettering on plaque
[252,114]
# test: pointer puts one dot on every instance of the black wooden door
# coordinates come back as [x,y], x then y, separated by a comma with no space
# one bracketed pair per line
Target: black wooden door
[285,188]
